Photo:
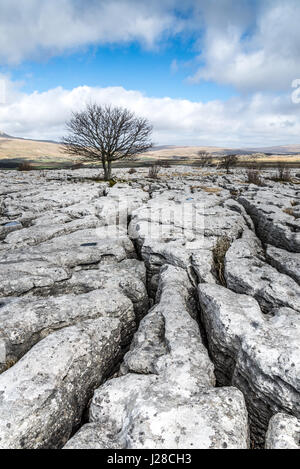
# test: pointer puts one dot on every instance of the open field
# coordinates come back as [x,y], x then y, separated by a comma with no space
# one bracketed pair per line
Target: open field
[189,155]
[16,151]
[48,155]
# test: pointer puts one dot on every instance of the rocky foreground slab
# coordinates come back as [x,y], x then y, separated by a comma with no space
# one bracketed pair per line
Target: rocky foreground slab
[152,313]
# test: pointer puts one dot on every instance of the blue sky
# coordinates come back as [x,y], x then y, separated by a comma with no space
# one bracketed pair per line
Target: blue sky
[161,72]
[205,73]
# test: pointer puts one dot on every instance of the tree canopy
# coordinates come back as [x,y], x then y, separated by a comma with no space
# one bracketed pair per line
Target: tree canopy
[106,134]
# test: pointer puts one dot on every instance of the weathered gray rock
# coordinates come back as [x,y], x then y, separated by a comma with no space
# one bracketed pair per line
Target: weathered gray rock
[66,256]
[246,271]
[216,419]
[283,432]
[164,397]
[267,209]
[39,233]
[172,321]
[182,230]
[128,276]
[113,209]
[44,394]
[44,265]
[26,321]
[21,274]
[236,207]
[258,354]
[135,197]
[91,436]
[8,226]
[203,266]
[285,262]
[40,196]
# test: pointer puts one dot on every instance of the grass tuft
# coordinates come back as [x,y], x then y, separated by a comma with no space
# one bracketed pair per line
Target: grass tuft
[219,253]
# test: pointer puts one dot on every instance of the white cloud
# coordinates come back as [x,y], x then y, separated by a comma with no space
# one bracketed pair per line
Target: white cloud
[251,45]
[257,120]
[255,47]
[35,28]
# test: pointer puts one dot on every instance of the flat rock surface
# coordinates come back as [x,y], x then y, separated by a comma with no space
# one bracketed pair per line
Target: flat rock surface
[283,432]
[44,394]
[247,271]
[26,321]
[165,311]
[259,354]
[165,397]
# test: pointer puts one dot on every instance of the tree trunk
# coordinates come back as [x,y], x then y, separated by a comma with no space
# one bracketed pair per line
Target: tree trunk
[107,170]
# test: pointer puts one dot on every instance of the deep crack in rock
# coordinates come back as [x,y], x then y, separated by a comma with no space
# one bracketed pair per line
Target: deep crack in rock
[90,273]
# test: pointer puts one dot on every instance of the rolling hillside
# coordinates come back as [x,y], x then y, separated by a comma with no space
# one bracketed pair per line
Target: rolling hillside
[14,151]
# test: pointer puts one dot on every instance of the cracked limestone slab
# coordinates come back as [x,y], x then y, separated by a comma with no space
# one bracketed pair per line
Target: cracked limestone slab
[42,397]
[283,432]
[23,270]
[267,208]
[26,321]
[165,395]
[258,354]
[285,262]
[128,276]
[182,230]
[246,271]
[38,234]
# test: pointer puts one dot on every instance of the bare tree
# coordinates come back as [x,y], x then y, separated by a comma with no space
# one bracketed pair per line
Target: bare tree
[254,177]
[283,173]
[205,158]
[154,171]
[228,161]
[106,134]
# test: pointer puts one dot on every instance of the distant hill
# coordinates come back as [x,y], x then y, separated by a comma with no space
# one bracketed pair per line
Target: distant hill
[281,149]
[44,153]
[193,150]
[3,135]
[33,151]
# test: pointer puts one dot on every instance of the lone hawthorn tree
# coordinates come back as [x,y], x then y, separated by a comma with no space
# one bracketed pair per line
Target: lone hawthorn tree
[205,158]
[228,161]
[106,134]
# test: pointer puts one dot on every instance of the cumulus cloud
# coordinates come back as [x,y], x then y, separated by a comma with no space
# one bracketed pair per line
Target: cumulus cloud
[252,46]
[35,28]
[257,120]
